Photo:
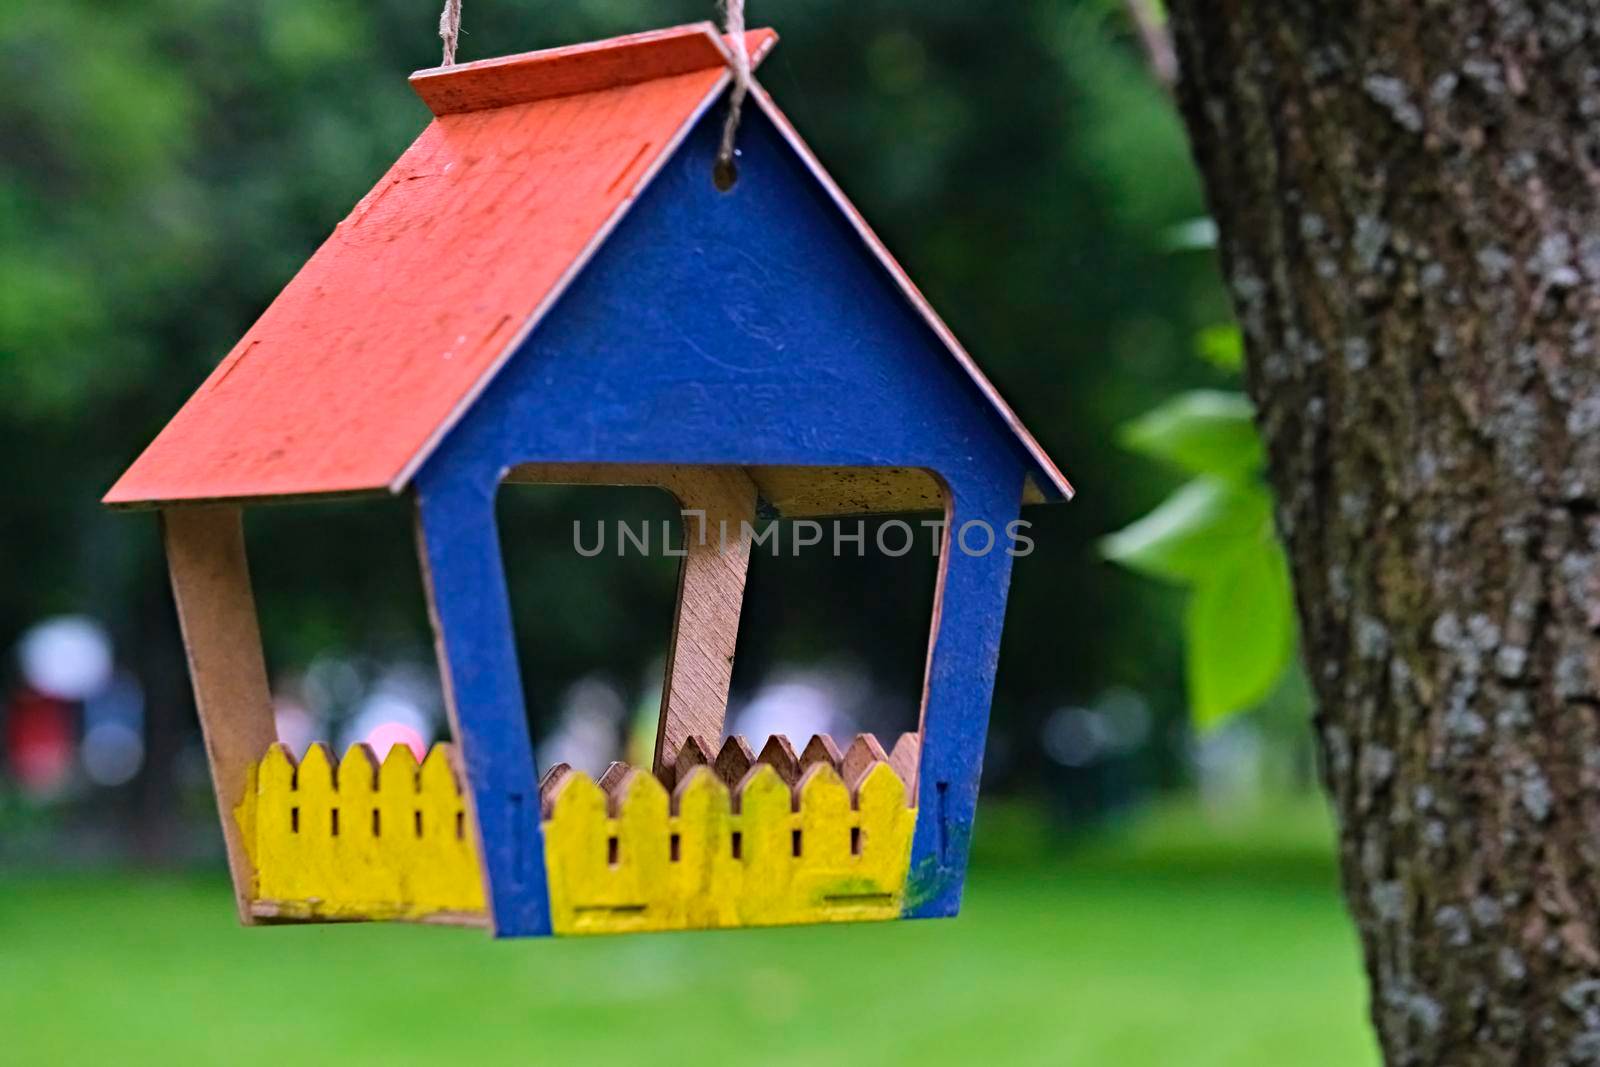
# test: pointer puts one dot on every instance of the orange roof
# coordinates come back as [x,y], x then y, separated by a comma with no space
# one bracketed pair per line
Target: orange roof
[379,344]
[388,331]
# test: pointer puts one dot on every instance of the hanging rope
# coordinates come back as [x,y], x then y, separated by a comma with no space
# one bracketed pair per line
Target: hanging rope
[726,171]
[733,11]
[450,30]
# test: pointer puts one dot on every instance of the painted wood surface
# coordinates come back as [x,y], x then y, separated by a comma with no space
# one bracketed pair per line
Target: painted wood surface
[467,601]
[631,858]
[1045,482]
[401,316]
[356,841]
[217,614]
[360,841]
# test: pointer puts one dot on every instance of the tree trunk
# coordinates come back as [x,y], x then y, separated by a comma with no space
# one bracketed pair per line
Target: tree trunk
[1408,196]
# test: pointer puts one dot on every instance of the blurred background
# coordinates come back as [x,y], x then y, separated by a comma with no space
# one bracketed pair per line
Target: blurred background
[1154,880]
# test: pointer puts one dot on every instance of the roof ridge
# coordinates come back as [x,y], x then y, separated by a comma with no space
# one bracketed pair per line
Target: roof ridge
[583,68]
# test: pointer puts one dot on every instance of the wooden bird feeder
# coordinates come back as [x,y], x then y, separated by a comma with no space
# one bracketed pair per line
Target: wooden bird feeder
[549,287]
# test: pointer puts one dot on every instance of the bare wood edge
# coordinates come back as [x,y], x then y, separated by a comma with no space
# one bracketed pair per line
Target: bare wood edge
[798,492]
[820,749]
[914,787]
[696,752]
[904,758]
[570,70]
[795,492]
[778,753]
[735,760]
[705,630]
[222,639]
[735,769]
[820,492]
[863,754]
[133,504]
[550,786]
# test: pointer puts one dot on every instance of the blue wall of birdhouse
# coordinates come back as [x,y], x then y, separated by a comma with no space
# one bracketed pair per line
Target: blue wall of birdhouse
[750,326]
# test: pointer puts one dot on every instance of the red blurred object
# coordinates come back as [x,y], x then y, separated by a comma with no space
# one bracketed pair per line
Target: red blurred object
[38,741]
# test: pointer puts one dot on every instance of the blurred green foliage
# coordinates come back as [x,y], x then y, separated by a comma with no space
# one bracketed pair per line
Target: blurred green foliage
[166,166]
[1214,535]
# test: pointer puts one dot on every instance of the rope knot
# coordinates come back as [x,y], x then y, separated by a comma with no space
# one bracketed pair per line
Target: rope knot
[726,171]
[450,30]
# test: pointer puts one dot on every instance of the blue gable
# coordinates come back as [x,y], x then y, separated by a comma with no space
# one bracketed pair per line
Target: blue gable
[749,327]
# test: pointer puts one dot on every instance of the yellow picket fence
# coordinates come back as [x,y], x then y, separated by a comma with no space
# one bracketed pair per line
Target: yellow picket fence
[806,855]
[360,841]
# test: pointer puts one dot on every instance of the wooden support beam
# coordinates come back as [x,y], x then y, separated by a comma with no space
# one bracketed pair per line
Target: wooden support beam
[963,653]
[217,613]
[710,597]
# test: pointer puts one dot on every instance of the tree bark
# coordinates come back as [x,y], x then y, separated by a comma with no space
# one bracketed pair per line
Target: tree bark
[1408,198]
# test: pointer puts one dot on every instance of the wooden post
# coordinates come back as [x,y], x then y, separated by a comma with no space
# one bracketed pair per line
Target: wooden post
[217,614]
[968,615]
[471,613]
[694,693]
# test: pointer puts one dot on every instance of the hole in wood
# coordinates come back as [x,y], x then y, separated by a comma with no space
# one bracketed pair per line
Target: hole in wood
[724,174]
[294,820]
[859,898]
[377,823]
[738,845]
[333,822]
[613,851]
[461,826]
[612,909]
[794,842]
[855,840]
[676,847]
[416,822]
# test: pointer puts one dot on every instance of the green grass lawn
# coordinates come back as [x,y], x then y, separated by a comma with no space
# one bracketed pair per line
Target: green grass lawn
[1171,942]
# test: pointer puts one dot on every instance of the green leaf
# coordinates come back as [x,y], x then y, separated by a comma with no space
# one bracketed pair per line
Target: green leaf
[1205,431]
[1195,531]
[1238,633]
[1221,346]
